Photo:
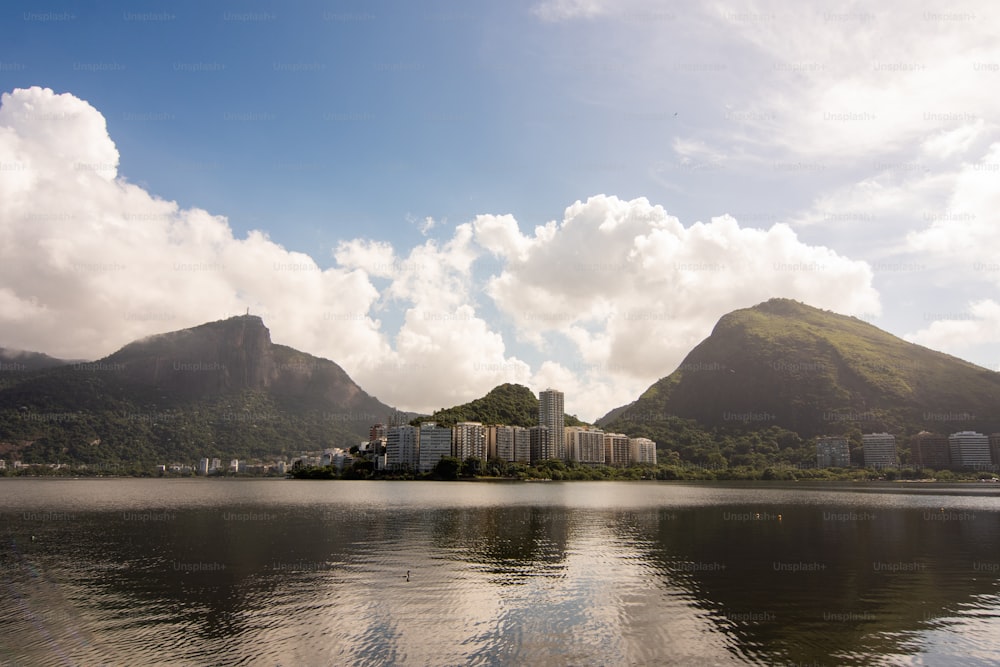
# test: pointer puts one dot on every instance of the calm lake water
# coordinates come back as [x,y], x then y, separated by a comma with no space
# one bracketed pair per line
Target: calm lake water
[276,572]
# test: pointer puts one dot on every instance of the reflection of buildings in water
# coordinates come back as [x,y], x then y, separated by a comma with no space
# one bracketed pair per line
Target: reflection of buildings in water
[516,542]
[870,579]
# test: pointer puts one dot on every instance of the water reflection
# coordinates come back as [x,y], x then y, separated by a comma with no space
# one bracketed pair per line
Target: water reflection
[143,572]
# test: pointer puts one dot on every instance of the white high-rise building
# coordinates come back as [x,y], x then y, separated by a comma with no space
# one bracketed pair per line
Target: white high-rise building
[469,440]
[552,413]
[585,446]
[880,450]
[970,450]
[435,443]
[641,450]
[401,447]
[616,449]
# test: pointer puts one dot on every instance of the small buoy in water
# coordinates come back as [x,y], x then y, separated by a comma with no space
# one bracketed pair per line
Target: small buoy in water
[407,575]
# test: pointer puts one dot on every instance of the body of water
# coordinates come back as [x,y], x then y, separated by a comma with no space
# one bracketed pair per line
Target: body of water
[276,572]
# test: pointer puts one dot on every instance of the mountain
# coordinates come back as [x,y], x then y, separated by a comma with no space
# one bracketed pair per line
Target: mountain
[510,404]
[783,363]
[219,389]
[20,361]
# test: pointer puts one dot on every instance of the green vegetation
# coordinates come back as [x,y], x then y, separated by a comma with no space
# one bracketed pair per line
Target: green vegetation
[509,404]
[133,434]
[450,468]
[217,390]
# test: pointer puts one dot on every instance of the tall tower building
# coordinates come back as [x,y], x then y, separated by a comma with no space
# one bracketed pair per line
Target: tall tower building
[552,414]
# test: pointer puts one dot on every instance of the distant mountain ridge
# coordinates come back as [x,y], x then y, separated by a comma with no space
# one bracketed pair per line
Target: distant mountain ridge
[237,355]
[783,363]
[782,370]
[221,388]
[21,360]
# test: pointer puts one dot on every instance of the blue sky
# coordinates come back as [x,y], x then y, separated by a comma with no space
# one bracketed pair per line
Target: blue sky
[384,142]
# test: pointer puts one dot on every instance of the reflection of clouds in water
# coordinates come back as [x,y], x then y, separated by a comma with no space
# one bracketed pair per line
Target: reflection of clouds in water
[594,608]
[577,573]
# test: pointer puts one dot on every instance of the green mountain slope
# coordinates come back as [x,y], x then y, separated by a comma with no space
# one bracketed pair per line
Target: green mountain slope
[786,364]
[219,389]
[510,404]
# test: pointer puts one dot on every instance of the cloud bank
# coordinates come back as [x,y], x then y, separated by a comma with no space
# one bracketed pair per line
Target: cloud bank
[600,303]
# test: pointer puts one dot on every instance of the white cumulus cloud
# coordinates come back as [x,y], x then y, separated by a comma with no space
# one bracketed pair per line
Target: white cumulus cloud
[598,304]
[632,290]
[90,262]
[981,325]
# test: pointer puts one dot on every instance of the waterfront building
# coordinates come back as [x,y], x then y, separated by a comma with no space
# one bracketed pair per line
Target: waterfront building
[491,442]
[540,444]
[552,414]
[513,443]
[522,444]
[832,452]
[641,451]
[995,448]
[970,451]
[401,447]
[203,466]
[469,440]
[435,443]
[616,449]
[880,450]
[584,446]
[930,450]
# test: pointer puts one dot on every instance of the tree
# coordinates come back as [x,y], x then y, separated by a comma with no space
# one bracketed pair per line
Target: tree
[472,466]
[447,468]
